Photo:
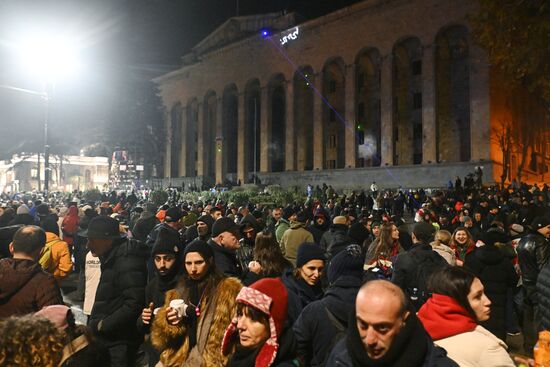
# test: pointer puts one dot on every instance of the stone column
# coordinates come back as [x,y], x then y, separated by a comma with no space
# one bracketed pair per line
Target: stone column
[264,131]
[318,143]
[183,146]
[290,138]
[429,137]
[200,141]
[479,104]
[220,156]
[351,143]
[387,110]
[168,154]
[241,143]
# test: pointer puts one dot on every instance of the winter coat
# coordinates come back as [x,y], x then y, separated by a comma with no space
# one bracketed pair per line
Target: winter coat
[453,328]
[80,352]
[218,312]
[62,264]
[533,252]
[69,226]
[119,298]
[25,288]
[335,240]
[226,260]
[478,348]
[316,334]
[293,238]
[445,252]
[280,228]
[144,225]
[300,294]
[497,274]
[408,355]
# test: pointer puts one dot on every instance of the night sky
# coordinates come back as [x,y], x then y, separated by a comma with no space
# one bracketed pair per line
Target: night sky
[122,40]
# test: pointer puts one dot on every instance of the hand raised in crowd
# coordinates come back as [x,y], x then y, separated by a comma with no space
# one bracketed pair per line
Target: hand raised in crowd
[147,314]
[255,267]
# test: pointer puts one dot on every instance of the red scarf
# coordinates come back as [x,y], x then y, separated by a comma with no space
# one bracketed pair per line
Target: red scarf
[443,317]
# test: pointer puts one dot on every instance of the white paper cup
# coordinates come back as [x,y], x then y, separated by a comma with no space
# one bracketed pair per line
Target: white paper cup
[156,310]
[178,305]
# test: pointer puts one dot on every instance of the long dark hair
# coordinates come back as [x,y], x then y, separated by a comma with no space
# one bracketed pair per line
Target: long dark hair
[454,282]
[268,253]
[206,285]
[385,240]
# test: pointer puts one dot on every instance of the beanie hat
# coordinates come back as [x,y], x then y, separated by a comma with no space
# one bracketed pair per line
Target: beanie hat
[540,222]
[493,237]
[207,219]
[173,214]
[309,251]
[288,212]
[42,210]
[224,224]
[423,231]
[358,233]
[57,314]
[200,246]
[269,296]
[340,219]
[319,213]
[466,219]
[167,242]
[346,262]
[301,217]
[23,209]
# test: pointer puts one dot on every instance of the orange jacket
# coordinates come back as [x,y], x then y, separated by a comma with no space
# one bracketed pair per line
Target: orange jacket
[61,256]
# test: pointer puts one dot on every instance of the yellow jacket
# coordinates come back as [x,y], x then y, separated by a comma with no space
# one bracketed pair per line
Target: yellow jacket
[61,256]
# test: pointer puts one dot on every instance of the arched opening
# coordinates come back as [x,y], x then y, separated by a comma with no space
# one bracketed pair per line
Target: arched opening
[407,102]
[452,83]
[176,146]
[333,115]
[209,135]
[252,130]
[277,124]
[230,127]
[368,133]
[303,118]
[192,138]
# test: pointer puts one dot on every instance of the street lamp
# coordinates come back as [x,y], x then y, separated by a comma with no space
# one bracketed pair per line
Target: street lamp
[48,57]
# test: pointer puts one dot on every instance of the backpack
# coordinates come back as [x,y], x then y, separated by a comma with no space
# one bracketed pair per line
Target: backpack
[426,263]
[46,260]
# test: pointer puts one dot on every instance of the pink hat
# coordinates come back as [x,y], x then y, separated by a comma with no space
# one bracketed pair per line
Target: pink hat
[268,295]
[57,314]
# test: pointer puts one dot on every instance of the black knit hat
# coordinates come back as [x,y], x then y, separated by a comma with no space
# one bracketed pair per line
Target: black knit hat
[200,246]
[174,214]
[225,224]
[309,251]
[288,212]
[540,222]
[206,219]
[423,231]
[347,262]
[167,242]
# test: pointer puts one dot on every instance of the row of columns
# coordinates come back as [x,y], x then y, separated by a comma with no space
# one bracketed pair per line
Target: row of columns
[479,86]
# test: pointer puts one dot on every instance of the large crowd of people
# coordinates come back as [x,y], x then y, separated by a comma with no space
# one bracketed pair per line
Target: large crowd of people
[372,278]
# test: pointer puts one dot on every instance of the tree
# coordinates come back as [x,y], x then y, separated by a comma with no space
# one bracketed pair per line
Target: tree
[515,35]
[503,136]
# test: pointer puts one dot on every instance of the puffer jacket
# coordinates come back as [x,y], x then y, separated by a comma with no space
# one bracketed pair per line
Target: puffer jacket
[25,288]
[335,240]
[62,264]
[543,292]
[293,238]
[120,295]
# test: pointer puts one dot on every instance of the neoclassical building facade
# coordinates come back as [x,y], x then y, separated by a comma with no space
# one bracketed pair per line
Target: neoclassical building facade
[388,90]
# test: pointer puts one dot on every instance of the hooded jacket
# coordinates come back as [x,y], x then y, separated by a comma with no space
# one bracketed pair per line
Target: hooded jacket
[315,335]
[25,288]
[335,239]
[293,238]
[61,257]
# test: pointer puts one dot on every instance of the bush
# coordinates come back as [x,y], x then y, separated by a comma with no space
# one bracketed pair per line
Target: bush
[158,197]
[93,195]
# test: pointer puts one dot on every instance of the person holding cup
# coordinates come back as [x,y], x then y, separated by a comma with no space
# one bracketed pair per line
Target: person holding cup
[189,328]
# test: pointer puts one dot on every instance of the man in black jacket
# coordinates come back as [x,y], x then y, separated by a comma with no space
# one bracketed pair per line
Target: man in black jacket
[413,268]
[386,333]
[224,243]
[120,294]
[533,253]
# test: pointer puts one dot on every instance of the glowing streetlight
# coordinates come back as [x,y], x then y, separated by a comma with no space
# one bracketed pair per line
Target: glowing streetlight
[48,58]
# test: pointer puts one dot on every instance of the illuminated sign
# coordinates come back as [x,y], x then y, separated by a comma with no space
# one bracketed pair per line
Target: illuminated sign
[290,36]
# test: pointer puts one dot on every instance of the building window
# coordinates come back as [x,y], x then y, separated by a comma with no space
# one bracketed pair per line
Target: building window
[417,101]
[34,173]
[332,141]
[332,115]
[417,67]
[332,86]
[331,164]
[360,137]
[361,82]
